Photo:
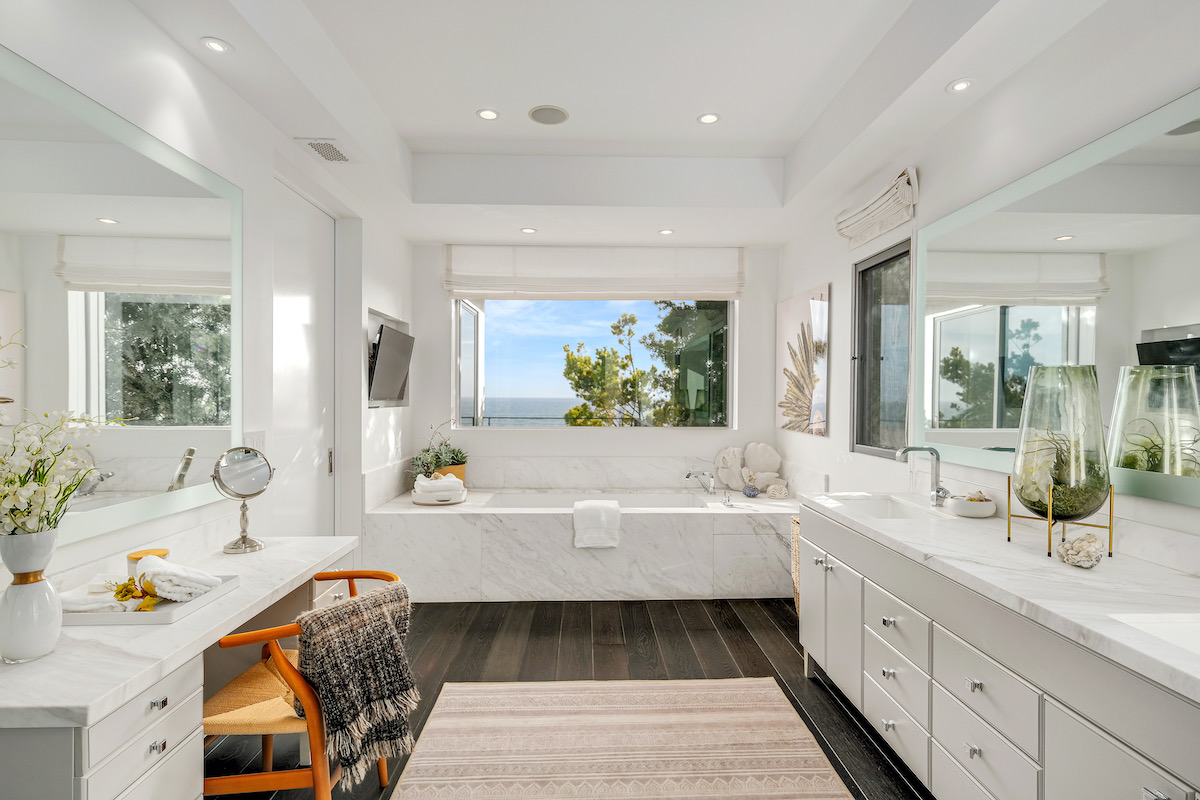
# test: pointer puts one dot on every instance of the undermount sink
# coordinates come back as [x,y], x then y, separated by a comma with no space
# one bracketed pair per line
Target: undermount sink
[880,506]
[1181,630]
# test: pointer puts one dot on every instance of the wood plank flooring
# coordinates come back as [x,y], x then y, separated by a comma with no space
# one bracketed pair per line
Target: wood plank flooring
[658,639]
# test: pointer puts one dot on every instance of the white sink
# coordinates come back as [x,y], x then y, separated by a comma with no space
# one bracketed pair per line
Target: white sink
[1181,630]
[879,506]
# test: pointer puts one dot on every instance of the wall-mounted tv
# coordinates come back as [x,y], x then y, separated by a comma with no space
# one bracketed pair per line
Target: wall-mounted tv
[387,373]
[1176,352]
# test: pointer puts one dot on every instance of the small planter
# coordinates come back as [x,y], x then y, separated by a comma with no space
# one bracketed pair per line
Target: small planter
[457,470]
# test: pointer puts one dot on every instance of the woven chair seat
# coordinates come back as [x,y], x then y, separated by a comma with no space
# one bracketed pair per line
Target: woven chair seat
[254,703]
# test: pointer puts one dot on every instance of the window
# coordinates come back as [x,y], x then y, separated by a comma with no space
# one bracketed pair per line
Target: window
[882,291]
[593,363]
[152,359]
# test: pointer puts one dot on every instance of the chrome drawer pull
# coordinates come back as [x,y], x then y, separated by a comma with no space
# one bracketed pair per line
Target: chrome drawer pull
[973,750]
[889,622]
[159,747]
[820,562]
[889,725]
[1153,794]
[159,703]
[338,596]
[888,673]
[973,685]
[828,567]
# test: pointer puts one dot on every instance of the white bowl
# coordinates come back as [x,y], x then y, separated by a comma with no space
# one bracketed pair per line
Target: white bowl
[962,507]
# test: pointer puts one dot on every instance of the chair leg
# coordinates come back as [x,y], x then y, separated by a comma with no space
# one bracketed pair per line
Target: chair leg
[305,752]
[383,776]
[268,748]
[322,785]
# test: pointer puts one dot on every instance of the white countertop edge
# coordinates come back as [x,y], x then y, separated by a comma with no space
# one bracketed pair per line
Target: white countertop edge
[478,499]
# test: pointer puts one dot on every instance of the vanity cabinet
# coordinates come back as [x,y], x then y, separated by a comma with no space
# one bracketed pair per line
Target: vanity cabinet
[830,616]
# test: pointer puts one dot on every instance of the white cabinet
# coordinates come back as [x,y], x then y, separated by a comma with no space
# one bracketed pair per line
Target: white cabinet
[830,616]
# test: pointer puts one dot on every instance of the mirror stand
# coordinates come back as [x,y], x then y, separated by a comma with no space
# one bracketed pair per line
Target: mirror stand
[242,473]
[244,543]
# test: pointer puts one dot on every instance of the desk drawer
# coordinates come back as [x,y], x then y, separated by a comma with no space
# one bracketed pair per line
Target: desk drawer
[986,755]
[157,702]
[949,780]
[180,774]
[898,729]
[898,624]
[1005,702]
[897,676]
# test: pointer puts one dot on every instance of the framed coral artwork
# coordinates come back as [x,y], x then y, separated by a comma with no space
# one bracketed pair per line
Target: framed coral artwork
[802,362]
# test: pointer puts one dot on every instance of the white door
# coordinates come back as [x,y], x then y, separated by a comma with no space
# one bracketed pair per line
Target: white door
[302,409]
[843,629]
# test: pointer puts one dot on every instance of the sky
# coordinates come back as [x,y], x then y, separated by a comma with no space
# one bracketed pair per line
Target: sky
[523,341]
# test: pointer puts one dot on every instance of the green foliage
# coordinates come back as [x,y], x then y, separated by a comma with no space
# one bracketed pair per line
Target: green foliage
[1173,448]
[437,454]
[974,407]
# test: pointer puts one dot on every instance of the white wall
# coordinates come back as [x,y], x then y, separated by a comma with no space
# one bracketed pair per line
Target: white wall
[1167,287]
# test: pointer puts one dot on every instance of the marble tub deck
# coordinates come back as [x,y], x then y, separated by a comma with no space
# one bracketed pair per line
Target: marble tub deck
[470,552]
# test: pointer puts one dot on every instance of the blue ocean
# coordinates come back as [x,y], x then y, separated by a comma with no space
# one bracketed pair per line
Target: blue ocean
[523,412]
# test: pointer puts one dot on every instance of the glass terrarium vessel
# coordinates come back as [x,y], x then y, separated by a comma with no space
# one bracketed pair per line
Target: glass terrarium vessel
[1156,421]
[1060,445]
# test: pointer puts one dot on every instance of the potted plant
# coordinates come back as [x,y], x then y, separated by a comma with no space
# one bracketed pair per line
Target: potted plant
[439,457]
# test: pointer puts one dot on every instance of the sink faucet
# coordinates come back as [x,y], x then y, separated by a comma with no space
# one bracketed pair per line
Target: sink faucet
[706,480]
[937,492]
[92,482]
[181,470]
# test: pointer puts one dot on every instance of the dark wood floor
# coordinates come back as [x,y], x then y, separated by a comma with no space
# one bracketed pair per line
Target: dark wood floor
[456,642]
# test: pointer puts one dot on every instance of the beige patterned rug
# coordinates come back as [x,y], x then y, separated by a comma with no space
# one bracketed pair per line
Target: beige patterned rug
[736,738]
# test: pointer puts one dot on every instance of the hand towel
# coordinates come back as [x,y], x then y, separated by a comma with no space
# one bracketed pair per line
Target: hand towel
[175,581]
[597,523]
[442,484]
[101,583]
[81,600]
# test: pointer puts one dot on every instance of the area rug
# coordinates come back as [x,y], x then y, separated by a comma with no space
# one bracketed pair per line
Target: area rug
[736,738]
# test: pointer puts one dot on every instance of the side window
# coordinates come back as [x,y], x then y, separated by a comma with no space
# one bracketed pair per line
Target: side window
[882,298]
[470,363]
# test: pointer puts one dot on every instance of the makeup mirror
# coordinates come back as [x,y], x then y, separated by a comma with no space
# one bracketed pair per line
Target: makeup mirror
[242,473]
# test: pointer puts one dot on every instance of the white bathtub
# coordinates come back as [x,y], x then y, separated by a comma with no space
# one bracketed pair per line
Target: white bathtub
[568,499]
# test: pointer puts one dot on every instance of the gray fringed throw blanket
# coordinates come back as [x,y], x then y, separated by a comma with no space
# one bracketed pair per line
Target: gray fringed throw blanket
[352,653]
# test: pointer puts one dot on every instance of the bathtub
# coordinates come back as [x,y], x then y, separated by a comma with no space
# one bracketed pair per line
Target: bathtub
[567,500]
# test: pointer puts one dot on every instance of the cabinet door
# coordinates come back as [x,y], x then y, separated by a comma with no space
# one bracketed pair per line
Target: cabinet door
[844,629]
[811,576]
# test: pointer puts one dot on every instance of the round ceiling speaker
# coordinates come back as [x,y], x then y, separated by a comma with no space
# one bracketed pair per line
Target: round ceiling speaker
[548,115]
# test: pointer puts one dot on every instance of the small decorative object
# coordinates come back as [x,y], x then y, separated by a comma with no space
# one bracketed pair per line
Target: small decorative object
[242,473]
[976,505]
[750,490]
[802,356]
[759,457]
[440,456]
[762,480]
[1085,551]
[729,467]
[1156,421]
[777,491]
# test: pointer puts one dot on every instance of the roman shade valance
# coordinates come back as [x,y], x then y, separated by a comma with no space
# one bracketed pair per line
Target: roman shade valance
[888,209]
[1015,279]
[144,265]
[594,273]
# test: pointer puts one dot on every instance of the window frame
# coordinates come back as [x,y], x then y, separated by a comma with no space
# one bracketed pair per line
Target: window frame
[476,308]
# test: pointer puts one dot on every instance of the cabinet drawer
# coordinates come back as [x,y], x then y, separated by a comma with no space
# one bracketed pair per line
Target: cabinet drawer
[138,758]
[180,774]
[144,710]
[992,760]
[949,780]
[898,729]
[897,676]
[1081,761]
[898,624]
[1005,702]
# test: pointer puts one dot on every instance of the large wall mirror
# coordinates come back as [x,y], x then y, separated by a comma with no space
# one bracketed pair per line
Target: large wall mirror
[120,264]
[1074,264]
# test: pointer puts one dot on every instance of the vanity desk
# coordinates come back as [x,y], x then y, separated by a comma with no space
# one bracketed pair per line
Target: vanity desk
[115,711]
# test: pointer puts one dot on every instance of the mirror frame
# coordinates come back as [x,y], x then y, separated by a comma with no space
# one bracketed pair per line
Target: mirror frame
[1142,129]
[86,524]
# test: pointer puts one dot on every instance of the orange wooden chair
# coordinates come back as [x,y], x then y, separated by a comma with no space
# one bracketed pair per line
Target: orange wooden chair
[259,703]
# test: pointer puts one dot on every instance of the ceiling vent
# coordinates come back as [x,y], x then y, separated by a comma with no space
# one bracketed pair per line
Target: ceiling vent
[326,149]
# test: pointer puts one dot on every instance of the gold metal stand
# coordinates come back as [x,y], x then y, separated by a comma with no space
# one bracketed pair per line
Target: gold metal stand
[1050,519]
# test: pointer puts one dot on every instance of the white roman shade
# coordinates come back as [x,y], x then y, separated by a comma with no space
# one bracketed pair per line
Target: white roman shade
[888,209]
[144,265]
[594,273]
[1015,279]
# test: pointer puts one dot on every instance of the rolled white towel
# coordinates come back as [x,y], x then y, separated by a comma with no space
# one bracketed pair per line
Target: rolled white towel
[81,600]
[175,581]
[439,484]
[101,583]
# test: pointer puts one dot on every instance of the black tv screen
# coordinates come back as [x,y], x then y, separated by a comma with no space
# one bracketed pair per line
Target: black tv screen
[1177,352]
[387,378]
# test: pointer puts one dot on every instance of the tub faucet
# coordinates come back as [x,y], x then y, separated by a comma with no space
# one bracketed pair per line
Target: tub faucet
[181,470]
[706,480]
[937,492]
[92,482]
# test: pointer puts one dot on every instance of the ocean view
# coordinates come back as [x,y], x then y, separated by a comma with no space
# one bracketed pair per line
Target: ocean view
[523,412]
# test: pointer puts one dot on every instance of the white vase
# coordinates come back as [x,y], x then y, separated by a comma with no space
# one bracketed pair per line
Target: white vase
[30,612]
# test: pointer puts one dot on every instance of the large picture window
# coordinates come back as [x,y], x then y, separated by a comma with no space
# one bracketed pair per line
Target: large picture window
[593,363]
[882,293]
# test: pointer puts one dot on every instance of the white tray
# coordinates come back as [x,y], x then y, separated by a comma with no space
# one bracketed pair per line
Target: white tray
[165,612]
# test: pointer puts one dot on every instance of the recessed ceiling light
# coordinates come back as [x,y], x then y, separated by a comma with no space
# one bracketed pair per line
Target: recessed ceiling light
[528,230]
[1066,238]
[959,85]
[216,45]
[108,220]
[487,113]
[708,119]
[666,231]
[548,115]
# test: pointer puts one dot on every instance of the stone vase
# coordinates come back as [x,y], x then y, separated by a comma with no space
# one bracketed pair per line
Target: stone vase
[30,612]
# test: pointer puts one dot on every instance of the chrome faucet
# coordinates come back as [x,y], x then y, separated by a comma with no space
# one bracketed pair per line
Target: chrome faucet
[181,470]
[92,482]
[710,485]
[937,492]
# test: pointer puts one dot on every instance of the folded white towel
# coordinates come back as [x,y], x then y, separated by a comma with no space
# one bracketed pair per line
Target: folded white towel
[81,600]
[100,583]
[597,523]
[438,484]
[175,581]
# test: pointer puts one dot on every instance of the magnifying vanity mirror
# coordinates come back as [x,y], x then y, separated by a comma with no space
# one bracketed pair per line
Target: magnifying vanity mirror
[120,265]
[1074,264]
[242,473]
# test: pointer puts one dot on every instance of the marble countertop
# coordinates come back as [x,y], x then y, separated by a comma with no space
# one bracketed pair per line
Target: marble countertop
[96,668]
[478,499]
[1076,603]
